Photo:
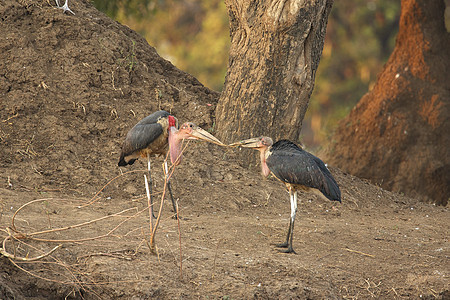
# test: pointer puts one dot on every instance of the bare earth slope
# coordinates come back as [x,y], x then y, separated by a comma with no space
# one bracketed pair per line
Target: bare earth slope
[70,89]
[397,136]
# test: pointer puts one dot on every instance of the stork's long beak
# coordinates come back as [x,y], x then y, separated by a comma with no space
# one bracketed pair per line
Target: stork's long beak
[250,143]
[199,133]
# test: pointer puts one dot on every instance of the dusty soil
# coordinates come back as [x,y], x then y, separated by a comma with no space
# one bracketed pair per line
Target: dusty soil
[70,89]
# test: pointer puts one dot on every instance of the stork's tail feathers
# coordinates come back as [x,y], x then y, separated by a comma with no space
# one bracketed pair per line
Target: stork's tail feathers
[332,191]
[122,162]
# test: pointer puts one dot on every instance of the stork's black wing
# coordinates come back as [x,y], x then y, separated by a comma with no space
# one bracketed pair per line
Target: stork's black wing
[291,164]
[142,134]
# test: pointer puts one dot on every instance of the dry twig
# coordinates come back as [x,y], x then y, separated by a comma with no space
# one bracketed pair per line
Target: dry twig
[359,252]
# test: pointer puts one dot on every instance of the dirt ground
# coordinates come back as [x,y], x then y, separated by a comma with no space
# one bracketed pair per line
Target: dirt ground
[70,89]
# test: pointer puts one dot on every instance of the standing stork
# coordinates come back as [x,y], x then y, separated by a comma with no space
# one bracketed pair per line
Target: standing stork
[155,135]
[297,169]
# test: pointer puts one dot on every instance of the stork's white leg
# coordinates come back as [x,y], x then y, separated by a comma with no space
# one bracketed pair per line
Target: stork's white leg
[166,168]
[150,183]
[286,244]
[295,205]
[293,198]
[290,234]
[290,249]
[149,201]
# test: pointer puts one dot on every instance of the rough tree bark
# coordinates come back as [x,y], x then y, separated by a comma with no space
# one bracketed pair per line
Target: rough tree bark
[275,50]
[398,134]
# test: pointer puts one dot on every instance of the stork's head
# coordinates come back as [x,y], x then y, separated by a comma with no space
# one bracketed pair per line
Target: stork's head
[259,143]
[188,131]
[191,131]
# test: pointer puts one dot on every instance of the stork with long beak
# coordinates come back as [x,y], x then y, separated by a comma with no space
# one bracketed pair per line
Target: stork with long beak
[157,134]
[297,169]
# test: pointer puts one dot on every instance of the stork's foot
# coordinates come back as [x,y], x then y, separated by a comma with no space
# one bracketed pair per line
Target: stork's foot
[288,250]
[286,245]
[65,7]
[282,245]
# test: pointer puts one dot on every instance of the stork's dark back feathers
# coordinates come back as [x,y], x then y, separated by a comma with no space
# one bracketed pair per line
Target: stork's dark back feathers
[154,117]
[142,135]
[291,164]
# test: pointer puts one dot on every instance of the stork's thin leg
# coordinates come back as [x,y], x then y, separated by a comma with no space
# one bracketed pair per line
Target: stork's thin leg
[65,7]
[150,183]
[290,248]
[170,190]
[286,243]
[290,235]
[149,200]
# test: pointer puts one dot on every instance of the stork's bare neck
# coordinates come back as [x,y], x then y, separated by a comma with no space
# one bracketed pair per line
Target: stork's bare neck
[263,144]
[264,152]
[175,144]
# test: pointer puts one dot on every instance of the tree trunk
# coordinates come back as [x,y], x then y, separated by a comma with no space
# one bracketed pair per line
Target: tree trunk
[398,134]
[275,50]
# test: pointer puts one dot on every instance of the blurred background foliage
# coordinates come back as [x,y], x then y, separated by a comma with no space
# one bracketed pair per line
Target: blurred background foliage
[194,36]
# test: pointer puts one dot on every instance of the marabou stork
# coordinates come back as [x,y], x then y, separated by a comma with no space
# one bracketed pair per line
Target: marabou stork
[297,169]
[65,7]
[155,135]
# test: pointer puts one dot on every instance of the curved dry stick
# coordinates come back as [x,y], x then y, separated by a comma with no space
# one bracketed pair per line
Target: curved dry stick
[67,227]
[95,237]
[58,262]
[82,285]
[13,226]
[34,275]
[12,256]
[21,235]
